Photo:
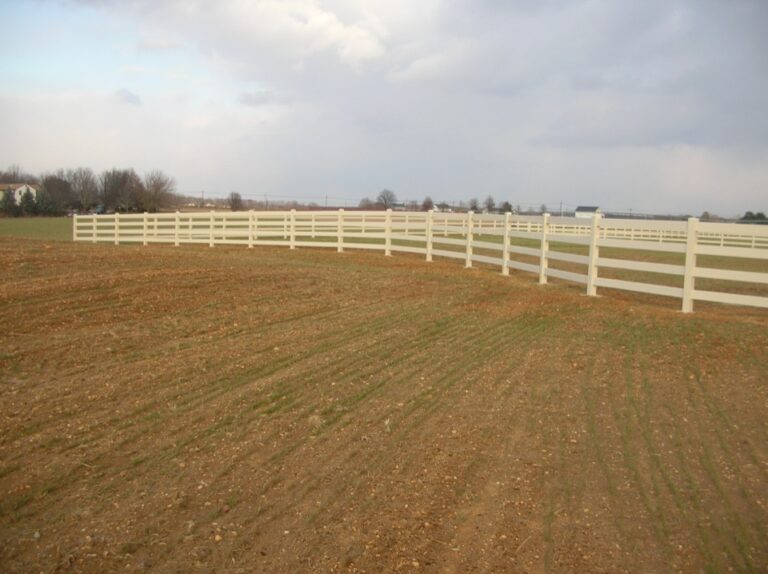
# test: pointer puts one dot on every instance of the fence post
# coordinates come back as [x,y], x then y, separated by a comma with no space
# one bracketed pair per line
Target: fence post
[94,226]
[210,231]
[293,229]
[544,249]
[176,230]
[250,229]
[74,227]
[690,264]
[468,259]
[505,247]
[594,253]
[313,226]
[117,228]
[388,233]
[429,234]
[340,231]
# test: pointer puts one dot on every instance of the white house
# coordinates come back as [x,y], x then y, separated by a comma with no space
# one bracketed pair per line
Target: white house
[18,190]
[586,211]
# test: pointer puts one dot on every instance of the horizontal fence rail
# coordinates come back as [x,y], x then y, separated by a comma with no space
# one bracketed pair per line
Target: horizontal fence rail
[689,260]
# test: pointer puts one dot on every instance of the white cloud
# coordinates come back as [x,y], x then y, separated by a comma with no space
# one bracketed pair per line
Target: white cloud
[157,44]
[238,30]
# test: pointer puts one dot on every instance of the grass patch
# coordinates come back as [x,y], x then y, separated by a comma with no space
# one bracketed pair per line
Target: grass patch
[49,228]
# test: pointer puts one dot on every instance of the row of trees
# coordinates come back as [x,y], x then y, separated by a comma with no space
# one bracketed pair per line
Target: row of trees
[82,190]
[758,217]
[388,200]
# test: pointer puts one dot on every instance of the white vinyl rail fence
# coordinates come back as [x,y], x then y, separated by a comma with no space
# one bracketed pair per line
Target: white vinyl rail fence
[660,257]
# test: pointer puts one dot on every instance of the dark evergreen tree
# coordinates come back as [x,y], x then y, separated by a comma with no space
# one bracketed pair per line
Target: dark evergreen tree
[8,204]
[27,203]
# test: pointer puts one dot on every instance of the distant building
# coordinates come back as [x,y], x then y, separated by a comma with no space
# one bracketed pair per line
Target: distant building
[18,190]
[586,211]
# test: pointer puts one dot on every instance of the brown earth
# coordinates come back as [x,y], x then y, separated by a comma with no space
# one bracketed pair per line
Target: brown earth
[232,410]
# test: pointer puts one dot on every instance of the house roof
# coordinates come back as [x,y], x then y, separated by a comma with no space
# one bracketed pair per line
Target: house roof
[15,186]
[588,209]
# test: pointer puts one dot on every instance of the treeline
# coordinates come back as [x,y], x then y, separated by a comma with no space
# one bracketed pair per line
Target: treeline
[387,199]
[81,189]
[758,217]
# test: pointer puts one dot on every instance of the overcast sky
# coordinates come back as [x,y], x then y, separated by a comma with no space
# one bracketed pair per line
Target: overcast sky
[658,106]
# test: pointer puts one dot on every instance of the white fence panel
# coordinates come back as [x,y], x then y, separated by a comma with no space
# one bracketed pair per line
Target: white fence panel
[457,235]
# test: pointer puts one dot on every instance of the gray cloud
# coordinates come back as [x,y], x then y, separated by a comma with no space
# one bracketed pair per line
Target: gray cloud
[616,103]
[260,98]
[127,97]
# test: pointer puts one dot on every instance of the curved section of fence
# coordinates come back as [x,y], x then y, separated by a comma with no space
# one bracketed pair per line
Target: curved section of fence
[689,260]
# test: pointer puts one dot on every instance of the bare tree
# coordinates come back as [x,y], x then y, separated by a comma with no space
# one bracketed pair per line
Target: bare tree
[158,190]
[474,205]
[235,201]
[110,184]
[84,186]
[543,208]
[489,203]
[59,191]
[427,204]
[387,199]
[14,174]
[121,190]
[366,203]
[505,207]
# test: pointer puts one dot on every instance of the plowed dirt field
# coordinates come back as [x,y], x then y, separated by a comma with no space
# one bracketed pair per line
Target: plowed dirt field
[231,410]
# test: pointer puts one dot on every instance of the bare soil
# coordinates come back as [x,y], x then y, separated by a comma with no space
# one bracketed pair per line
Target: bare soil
[232,410]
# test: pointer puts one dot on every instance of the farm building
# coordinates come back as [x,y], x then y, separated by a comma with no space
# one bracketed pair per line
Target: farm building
[586,211]
[19,189]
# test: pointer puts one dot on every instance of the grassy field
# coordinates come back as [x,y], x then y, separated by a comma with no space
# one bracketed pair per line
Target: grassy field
[266,410]
[51,228]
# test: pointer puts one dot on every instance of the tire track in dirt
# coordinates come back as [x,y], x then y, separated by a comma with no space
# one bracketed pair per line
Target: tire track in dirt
[78,471]
[673,499]
[464,479]
[368,465]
